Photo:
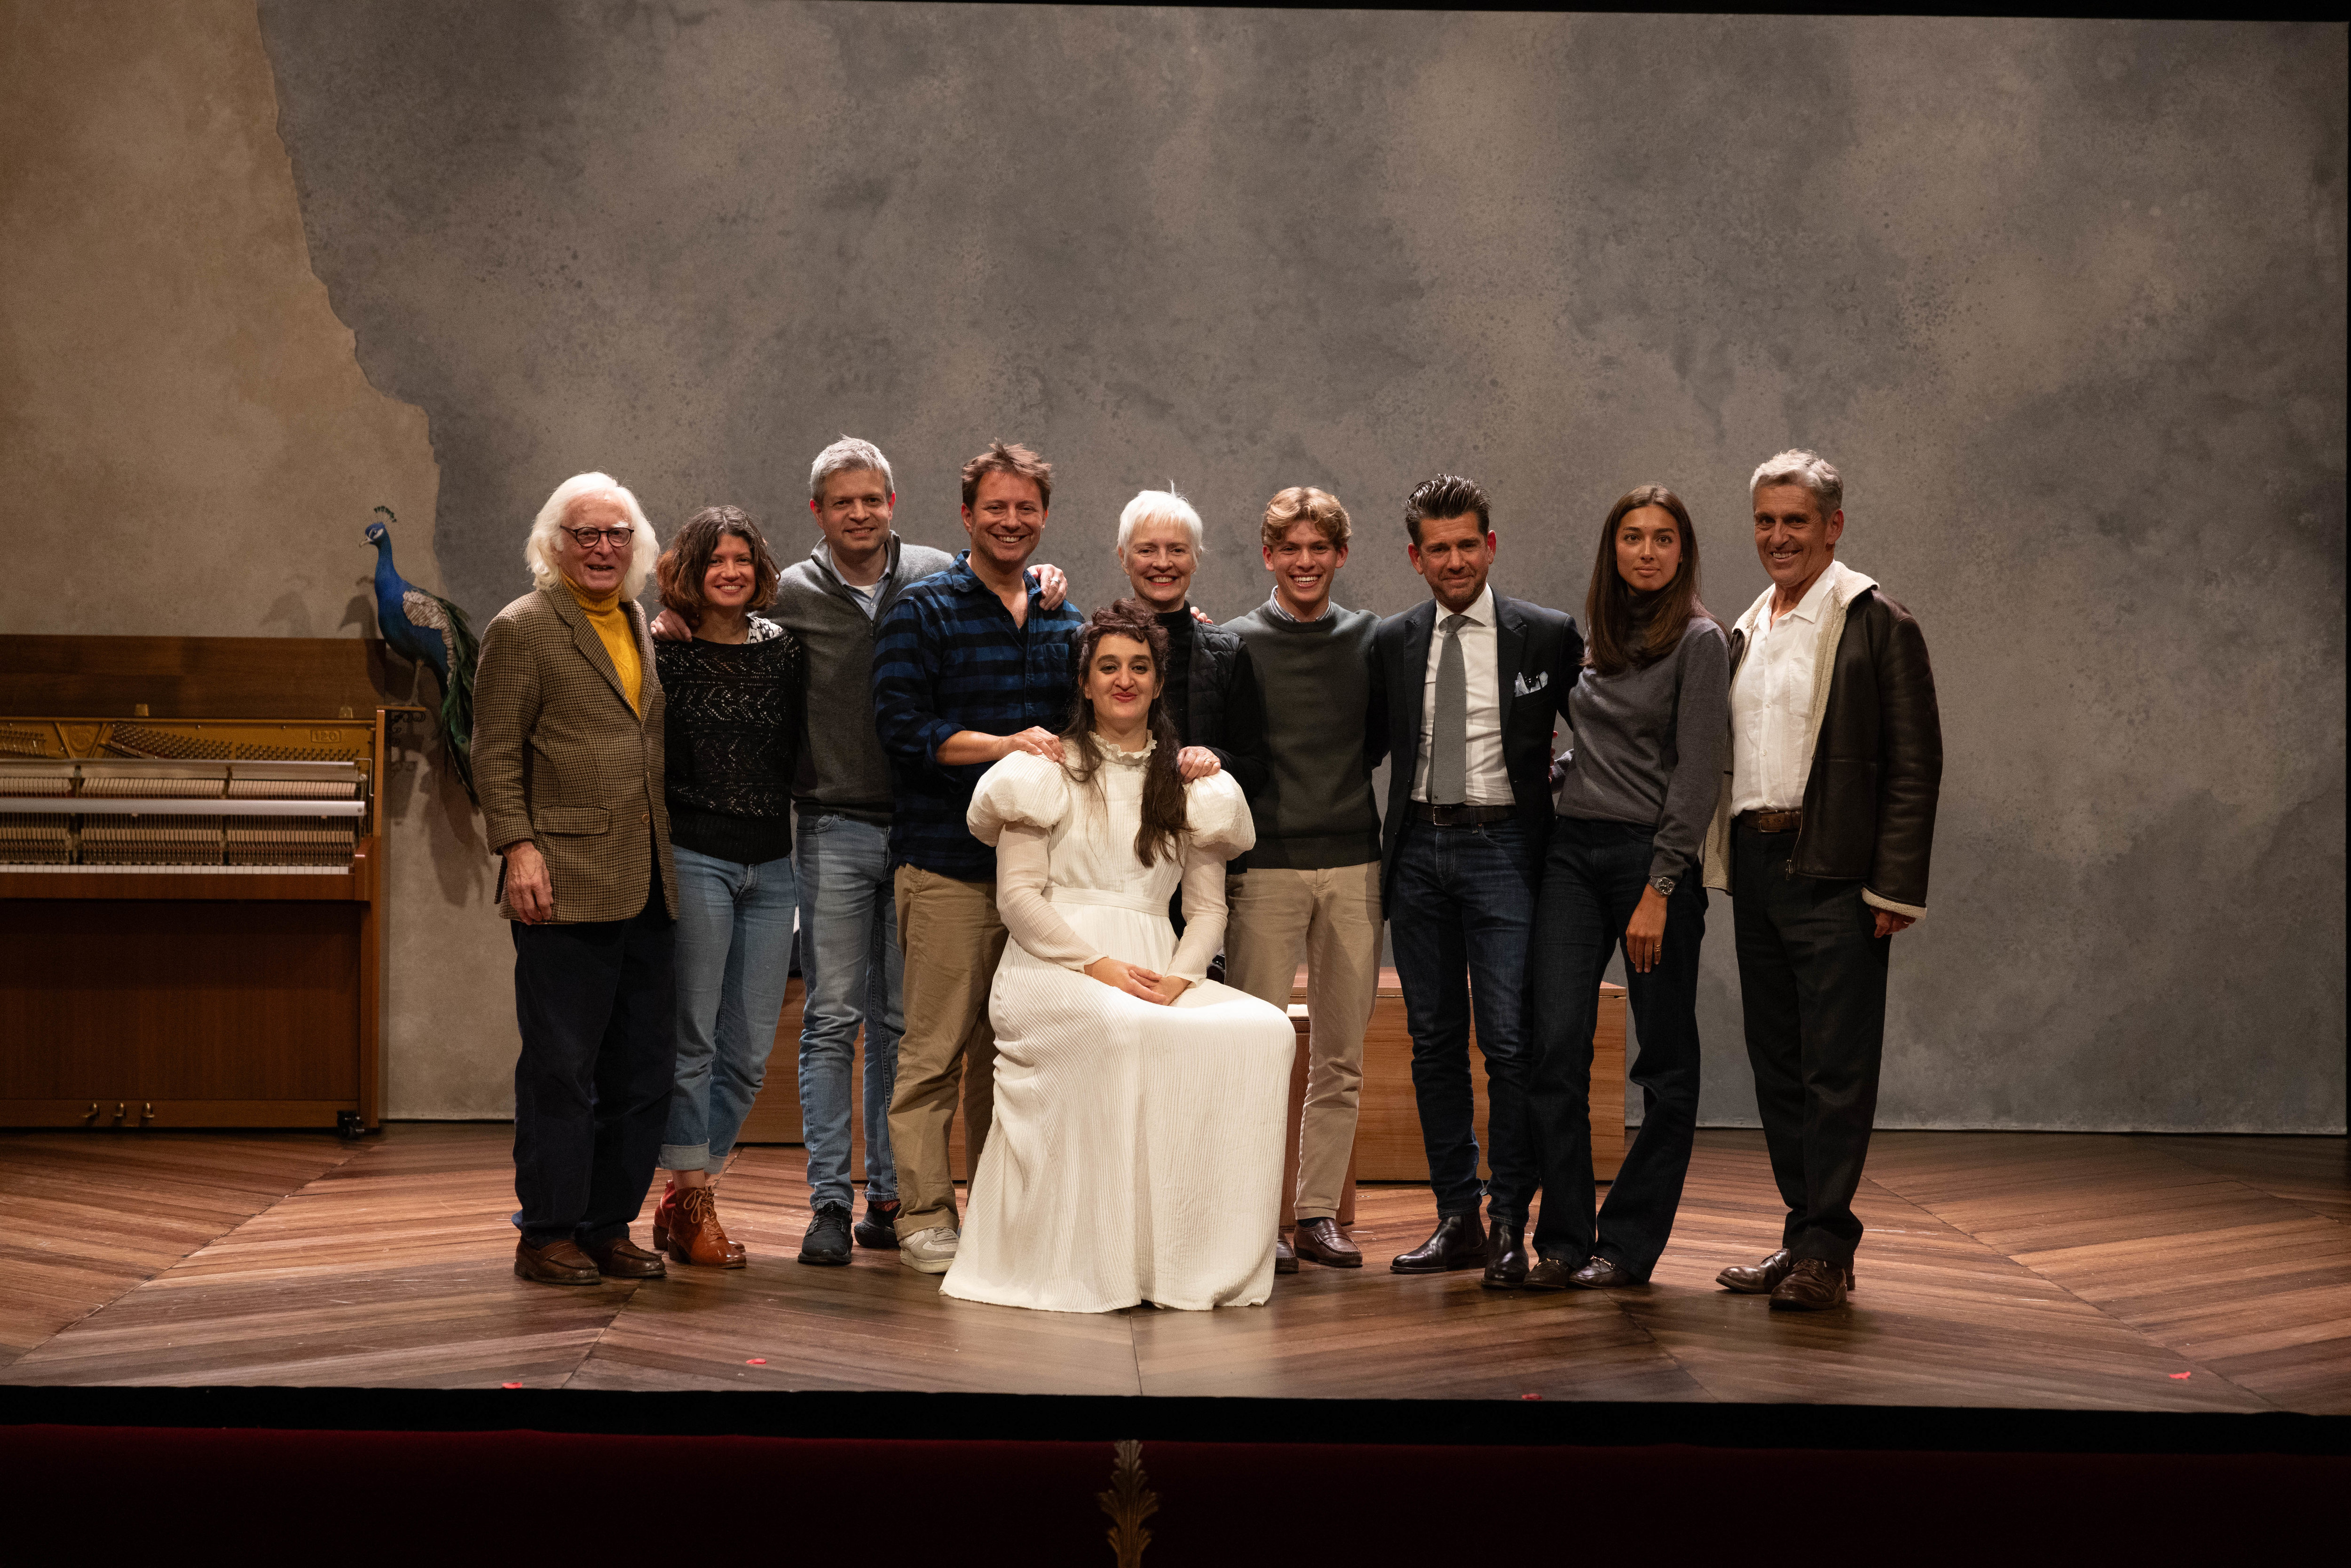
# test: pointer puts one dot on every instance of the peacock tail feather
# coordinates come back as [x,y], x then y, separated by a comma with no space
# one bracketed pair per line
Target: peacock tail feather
[457,694]
[431,615]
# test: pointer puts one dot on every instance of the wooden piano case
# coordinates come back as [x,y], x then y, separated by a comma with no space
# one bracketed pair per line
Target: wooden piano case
[192,881]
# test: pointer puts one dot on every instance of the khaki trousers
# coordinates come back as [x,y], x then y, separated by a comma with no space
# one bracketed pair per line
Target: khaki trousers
[1332,918]
[951,938]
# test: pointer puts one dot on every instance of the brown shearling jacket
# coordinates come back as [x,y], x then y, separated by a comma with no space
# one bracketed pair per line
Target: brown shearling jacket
[561,760]
[1877,765]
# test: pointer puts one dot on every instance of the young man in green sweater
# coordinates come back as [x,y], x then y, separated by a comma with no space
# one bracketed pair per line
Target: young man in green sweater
[1313,886]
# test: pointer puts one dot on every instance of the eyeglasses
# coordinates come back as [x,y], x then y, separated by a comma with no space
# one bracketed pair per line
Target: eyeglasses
[588,538]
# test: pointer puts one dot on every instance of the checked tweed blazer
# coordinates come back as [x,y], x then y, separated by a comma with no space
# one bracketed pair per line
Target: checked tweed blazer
[561,760]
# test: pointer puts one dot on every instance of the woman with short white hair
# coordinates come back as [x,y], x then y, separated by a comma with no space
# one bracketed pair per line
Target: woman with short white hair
[1211,695]
[568,756]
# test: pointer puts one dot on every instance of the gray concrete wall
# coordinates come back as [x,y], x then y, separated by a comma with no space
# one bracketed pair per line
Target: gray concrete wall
[2065,300]
[192,449]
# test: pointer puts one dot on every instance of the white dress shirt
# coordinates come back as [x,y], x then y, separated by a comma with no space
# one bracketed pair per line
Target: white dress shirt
[1487,779]
[1771,703]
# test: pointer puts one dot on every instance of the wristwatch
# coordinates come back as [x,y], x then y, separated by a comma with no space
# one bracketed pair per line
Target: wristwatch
[1663,884]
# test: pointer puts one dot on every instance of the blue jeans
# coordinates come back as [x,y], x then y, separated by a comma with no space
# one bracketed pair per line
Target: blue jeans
[1592,882]
[1461,914]
[734,960]
[853,969]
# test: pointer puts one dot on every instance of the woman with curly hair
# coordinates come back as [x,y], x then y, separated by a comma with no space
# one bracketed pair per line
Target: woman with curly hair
[1136,1151]
[732,742]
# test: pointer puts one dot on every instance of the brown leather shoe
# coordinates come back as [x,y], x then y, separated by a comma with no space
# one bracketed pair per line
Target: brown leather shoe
[695,1235]
[1600,1274]
[621,1258]
[1322,1241]
[1761,1280]
[1285,1256]
[1550,1274]
[557,1263]
[1814,1285]
[1457,1242]
[664,1216]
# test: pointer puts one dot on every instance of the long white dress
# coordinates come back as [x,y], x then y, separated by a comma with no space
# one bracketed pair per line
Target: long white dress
[1136,1151]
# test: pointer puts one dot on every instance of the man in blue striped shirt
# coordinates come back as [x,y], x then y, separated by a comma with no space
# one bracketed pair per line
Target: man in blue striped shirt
[968,666]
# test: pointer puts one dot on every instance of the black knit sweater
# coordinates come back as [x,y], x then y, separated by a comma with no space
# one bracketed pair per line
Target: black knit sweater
[732,739]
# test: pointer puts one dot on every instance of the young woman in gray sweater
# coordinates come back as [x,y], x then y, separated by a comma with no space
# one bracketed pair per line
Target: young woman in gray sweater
[1650,714]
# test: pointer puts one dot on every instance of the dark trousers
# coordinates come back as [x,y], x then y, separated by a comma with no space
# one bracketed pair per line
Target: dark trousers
[1593,878]
[597,1006]
[1462,911]
[1812,977]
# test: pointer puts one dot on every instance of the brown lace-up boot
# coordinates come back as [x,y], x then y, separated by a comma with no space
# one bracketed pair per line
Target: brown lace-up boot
[693,1233]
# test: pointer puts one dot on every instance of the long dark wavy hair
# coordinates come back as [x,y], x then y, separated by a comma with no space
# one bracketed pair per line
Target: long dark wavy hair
[1163,787]
[1609,610]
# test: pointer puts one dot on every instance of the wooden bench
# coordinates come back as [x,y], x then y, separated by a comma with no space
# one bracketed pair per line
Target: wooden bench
[1387,1133]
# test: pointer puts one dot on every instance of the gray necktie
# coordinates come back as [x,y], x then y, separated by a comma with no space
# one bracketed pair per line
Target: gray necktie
[1449,736]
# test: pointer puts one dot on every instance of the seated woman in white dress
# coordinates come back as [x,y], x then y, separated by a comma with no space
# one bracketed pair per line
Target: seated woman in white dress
[1136,1155]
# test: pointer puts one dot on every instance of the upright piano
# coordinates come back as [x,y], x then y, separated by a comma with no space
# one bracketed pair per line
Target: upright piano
[191,879]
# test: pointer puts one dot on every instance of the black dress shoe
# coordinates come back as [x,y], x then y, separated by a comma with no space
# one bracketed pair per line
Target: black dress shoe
[879,1228]
[1814,1285]
[1759,1281]
[1457,1242]
[1552,1273]
[1600,1274]
[1285,1256]
[1506,1256]
[1322,1241]
[825,1242]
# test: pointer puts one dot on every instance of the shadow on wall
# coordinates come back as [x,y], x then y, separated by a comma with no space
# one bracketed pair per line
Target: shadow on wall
[449,991]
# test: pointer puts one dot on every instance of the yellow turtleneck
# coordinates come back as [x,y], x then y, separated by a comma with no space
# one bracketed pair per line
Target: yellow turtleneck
[620,640]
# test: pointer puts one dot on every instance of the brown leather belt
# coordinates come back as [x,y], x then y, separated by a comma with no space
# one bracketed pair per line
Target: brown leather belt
[1461,816]
[1771,822]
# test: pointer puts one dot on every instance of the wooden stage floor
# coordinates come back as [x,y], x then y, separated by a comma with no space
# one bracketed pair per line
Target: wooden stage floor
[2056,1271]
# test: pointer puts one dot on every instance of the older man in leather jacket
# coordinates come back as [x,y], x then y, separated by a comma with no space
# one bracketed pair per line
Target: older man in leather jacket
[1821,836]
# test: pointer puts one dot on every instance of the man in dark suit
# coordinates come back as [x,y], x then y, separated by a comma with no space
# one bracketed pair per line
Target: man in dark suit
[1465,691]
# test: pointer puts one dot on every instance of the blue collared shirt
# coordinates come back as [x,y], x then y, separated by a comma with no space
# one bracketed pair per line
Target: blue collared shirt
[947,658]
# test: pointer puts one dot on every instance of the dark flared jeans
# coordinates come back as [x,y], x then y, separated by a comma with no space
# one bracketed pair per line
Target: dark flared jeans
[1463,903]
[1812,979]
[597,1001]
[1593,879]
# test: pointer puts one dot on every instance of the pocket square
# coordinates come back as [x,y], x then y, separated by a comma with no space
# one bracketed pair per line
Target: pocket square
[1527,688]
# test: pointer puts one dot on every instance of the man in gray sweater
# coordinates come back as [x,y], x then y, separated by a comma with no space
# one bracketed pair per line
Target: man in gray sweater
[850,959]
[1313,886]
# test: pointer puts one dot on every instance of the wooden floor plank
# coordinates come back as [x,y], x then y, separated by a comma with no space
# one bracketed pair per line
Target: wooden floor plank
[874,1325]
[393,1269]
[2043,1270]
[2310,1173]
[1937,1317]
[1371,1333]
[2251,1285]
[87,1215]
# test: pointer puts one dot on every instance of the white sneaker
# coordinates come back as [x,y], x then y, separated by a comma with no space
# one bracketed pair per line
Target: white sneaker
[928,1252]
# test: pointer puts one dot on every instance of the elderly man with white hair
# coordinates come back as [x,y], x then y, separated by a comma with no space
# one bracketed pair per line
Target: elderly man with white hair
[1822,835]
[568,756]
